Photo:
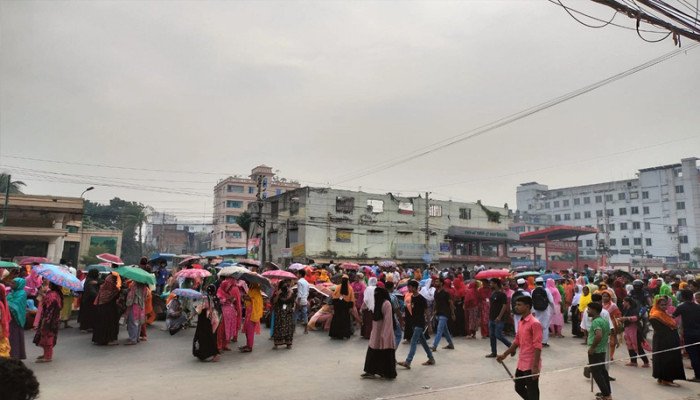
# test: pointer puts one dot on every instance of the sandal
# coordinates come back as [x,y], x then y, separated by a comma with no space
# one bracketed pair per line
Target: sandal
[429,362]
[631,364]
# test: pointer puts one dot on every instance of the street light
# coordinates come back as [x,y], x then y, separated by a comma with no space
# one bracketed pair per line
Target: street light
[86,190]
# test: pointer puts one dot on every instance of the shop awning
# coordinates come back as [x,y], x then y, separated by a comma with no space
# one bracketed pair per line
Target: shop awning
[559,232]
[224,253]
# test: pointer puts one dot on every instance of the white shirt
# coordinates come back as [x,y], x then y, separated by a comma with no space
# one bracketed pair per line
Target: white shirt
[302,291]
[586,322]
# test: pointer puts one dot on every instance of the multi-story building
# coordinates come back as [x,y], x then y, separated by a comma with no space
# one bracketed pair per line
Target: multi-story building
[232,196]
[320,225]
[653,216]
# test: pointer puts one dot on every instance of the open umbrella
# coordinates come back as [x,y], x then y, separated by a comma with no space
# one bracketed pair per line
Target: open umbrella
[110,258]
[324,293]
[233,270]
[8,264]
[189,260]
[252,277]
[387,264]
[350,266]
[325,289]
[249,263]
[188,293]
[526,274]
[59,276]
[555,277]
[136,274]
[278,274]
[492,273]
[193,273]
[296,267]
[34,260]
[99,267]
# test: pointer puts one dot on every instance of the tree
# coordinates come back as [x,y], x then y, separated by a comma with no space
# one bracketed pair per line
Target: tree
[91,257]
[15,186]
[244,221]
[696,253]
[127,216]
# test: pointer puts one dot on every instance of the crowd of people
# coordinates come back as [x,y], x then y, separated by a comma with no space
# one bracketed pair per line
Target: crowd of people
[383,305]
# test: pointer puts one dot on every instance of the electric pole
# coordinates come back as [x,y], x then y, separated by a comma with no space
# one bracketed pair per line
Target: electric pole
[7,200]
[427,228]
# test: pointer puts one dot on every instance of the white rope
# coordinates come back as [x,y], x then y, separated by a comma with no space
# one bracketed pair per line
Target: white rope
[470,385]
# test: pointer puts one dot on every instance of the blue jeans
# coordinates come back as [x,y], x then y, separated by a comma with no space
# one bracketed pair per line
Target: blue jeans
[418,337]
[398,333]
[304,311]
[442,329]
[496,332]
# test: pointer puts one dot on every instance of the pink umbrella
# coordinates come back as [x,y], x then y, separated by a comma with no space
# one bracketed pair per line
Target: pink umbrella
[493,273]
[188,260]
[278,274]
[350,266]
[193,273]
[110,258]
[33,260]
[296,266]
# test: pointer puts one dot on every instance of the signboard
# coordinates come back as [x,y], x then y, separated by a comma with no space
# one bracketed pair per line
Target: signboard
[482,234]
[298,250]
[427,258]
[109,243]
[286,252]
[561,245]
[415,251]
[444,247]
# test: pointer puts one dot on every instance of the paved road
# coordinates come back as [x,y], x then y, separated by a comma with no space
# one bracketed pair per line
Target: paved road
[316,368]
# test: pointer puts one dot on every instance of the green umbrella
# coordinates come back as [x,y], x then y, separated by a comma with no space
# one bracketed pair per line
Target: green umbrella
[98,267]
[8,264]
[136,274]
[526,274]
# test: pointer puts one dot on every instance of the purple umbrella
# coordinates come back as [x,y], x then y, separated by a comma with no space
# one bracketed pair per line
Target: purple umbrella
[59,276]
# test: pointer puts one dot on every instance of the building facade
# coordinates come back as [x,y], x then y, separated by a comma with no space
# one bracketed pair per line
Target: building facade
[652,218]
[323,225]
[233,195]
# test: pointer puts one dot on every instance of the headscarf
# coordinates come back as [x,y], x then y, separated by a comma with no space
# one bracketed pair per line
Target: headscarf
[17,302]
[471,296]
[584,300]
[4,313]
[578,291]
[460,287]
[661,315]
[552,287]
[665,290]
[349,296]
[368,297]
[380,296]
[633,310]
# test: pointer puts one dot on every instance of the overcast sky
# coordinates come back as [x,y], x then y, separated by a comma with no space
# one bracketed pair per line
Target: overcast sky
[318,90]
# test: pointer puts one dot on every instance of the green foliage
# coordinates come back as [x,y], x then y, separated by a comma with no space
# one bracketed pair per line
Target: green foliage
[492,216]
[120,214]
[15,186]
[696,253]
[91,257]
[244,221]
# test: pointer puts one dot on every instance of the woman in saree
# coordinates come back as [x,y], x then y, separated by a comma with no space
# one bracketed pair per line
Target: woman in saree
[633,332]
[283,304]
[4,324]
[458,299]
[254,307]
[667,366]
[230,297]
[204,342]
[611,307]
[17,302]
[47,332]
[343,300]
[471,310]
[135,310]
[106,324]
[175,317]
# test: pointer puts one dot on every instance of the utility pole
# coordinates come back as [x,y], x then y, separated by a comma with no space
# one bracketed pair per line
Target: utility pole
[162,229]
[7,200]
[427,227]
[261,195]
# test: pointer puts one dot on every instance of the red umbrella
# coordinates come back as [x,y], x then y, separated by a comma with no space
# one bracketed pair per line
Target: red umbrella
[34,260]
[110,258]
[188,260]
[350,266]
[279,274]
[493,273]
[250,262]
[193,273]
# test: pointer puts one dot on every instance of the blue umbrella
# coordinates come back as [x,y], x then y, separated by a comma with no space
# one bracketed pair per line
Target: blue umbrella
[188,293]
[555,277]
[526,274]
[59,276]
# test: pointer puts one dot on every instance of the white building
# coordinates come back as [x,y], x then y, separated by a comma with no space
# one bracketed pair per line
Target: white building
[654,216]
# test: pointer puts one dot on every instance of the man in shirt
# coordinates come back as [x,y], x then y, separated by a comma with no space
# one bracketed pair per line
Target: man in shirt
[522,291]
[598,336]
[497,313]
[545,315]
[418,307]
[690,318]
[444,309]
[529,339]
[302,300]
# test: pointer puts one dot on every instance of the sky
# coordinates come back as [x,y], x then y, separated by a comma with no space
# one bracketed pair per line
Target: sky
[157,101]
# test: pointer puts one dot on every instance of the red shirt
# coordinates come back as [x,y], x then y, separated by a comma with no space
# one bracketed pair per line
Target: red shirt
[528,338]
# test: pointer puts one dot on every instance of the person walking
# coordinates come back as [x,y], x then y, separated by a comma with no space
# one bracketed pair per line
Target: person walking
[283,304]
[529,340]
[445,312]
[135,310]
[598,342]
[667,364]
[302,300]
[381,352]
[522,291]
[254,307]
[497,314]
[542,303]
[47,332]
[689,311]
[418,306]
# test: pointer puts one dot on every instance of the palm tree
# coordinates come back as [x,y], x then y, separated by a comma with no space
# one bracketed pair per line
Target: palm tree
[244,221]
[15,186]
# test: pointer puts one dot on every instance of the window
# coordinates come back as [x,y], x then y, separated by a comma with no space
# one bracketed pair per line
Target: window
[566,203]
[465,213]
[621,196]
[557,217]
[580,243]
[608,197]
[685,256]
[681,222]
[230,219]
[233,234]
[272,237]
[234,189]
[683,239]
[586,214]
[623,211]
[623,226]
[679,189]
[599,213]
[577,215]
[680,205]
[577,202]
[344,204]
[601,228]
[625,242]
[375,237]
[406,208]
[647,226]
[645,195]
[274,209]
[611,227]
[251,189]
[375,206]
[294,206]
[613,242]
[599,199]
[278,192]
[435,211]
[234,204]
[637,241]
[610,213]
[567,217]
[294,235]
[645,210]
[634,210]
[556,204]
[586,200]
[343,235]
[636,225]
[634,195]
[546,205]
[589,243]
[647,241]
